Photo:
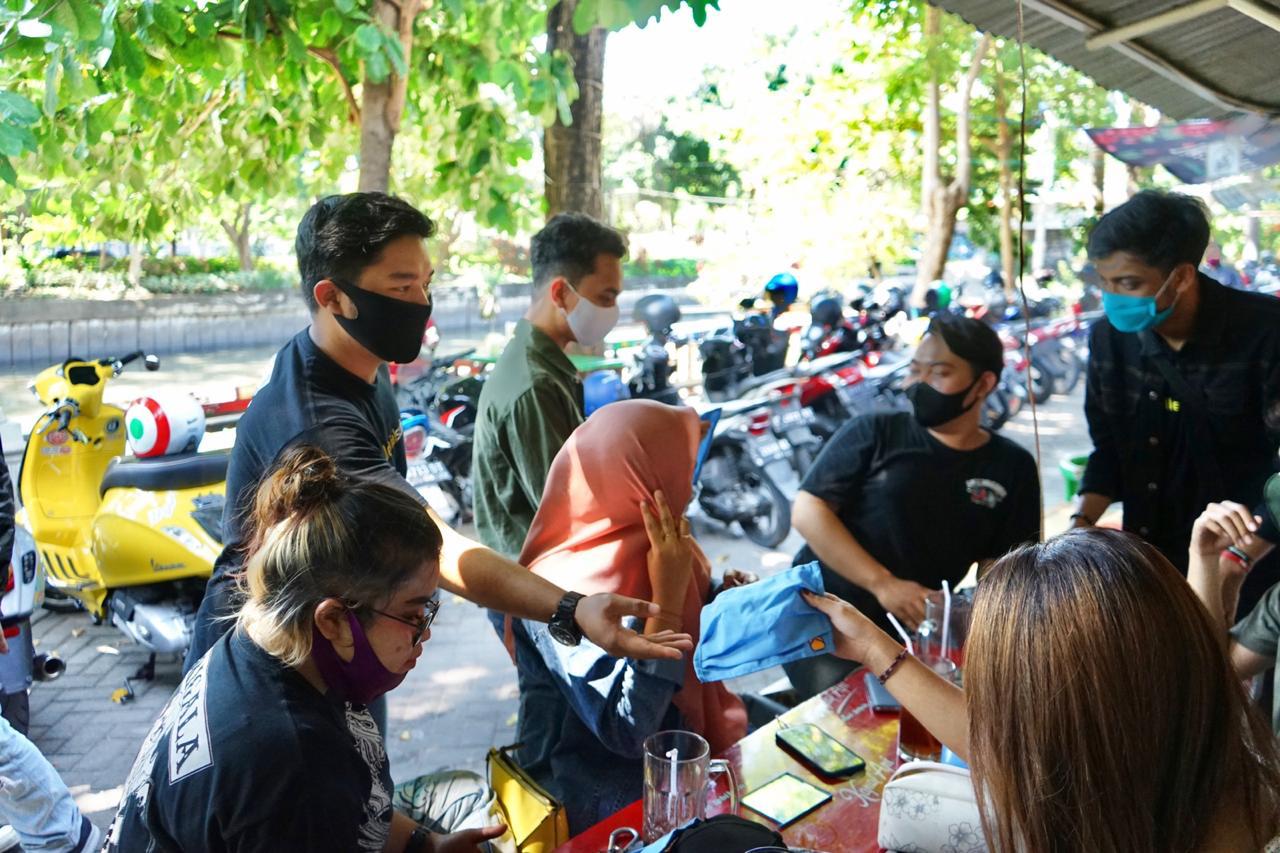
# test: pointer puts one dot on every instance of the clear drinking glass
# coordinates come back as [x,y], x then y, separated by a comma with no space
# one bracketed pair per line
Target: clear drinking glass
[678,771]
[929,637]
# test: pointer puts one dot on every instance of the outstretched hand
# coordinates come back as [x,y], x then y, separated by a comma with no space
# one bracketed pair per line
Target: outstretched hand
[600,618]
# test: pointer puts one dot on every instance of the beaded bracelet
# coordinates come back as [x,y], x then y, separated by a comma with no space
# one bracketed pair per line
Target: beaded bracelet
[893,667]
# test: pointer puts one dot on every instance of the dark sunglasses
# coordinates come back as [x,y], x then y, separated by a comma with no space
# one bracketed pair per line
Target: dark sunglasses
[419,626]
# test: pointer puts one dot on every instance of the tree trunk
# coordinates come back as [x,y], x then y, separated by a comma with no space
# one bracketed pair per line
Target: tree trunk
[238,233]
[1004,152]
[383,103]
[134,275]
[942,198]
[1252,236]
[573,177]
[1098,159]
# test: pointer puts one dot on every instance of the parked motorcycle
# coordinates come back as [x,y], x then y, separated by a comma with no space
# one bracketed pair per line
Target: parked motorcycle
[651,378]
[132,541]
[21,589]
[421,391]
[735,485]
[439,460]
[748,355]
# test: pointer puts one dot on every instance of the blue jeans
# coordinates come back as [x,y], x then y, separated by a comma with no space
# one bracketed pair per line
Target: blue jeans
[36,803]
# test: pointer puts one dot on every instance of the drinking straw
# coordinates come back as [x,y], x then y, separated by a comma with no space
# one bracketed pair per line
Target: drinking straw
[672,796]
[946,619]
[906,638]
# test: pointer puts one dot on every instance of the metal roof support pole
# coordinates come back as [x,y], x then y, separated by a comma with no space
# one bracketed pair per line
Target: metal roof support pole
[1146,26]
[1263,15]
[1064,13]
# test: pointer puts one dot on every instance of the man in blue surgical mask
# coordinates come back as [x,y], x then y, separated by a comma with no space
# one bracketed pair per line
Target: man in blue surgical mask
[1183,394]
[533,399]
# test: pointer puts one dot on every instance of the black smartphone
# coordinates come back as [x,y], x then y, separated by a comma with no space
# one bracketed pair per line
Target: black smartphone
[819,751]
[882,701]
[785,799]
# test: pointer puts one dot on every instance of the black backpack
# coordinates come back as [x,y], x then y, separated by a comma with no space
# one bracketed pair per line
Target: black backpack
[724,833]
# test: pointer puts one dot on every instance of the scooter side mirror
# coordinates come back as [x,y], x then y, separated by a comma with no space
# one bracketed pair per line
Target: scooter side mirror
[151,362]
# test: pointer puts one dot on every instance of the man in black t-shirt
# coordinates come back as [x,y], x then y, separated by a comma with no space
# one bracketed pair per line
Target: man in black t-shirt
[365,275]
[898,502]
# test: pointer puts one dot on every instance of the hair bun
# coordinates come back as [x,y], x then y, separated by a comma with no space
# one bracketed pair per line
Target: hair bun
[304,479]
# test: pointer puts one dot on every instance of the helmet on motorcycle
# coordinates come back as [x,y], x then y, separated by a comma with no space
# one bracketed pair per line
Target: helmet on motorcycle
[782,289]
[602,388]
[166,426]
[826,311]
[658,312]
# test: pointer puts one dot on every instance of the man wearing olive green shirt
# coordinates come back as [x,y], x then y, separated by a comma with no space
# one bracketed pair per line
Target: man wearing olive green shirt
[532,401]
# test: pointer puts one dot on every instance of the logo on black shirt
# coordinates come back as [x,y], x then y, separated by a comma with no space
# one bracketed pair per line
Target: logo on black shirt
[389,448]
[984,492]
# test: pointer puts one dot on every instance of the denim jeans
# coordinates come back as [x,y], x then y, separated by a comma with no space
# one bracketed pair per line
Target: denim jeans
[36,803]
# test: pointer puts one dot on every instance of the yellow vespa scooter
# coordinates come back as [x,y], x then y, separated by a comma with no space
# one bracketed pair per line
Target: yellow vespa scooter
[131,540]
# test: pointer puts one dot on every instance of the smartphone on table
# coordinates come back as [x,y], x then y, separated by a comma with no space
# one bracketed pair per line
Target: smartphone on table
[818,751]
[785,799]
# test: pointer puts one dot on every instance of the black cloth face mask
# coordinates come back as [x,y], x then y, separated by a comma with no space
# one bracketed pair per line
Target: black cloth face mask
[391,329]
[933,408]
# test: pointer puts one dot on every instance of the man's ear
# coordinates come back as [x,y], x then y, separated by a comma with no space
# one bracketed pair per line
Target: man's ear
[987,383]
[558,289]
[330,298]
[1187,275]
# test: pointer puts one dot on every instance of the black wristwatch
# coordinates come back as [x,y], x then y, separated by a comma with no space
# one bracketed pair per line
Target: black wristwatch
[562,628]
[419,841]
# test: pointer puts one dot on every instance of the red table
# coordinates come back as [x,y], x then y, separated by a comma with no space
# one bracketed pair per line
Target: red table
[846,824]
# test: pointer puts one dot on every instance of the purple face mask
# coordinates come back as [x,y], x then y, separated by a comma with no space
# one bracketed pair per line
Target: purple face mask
[359,680]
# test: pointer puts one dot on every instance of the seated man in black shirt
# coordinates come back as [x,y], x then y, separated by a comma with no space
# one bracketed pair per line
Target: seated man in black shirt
[1183,389]
[898,502]
[365,276]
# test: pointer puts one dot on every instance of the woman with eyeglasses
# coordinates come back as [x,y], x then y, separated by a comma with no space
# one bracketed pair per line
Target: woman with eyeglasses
[267,743]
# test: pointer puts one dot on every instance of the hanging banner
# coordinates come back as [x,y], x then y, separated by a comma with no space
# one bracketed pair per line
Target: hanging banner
[1196,151]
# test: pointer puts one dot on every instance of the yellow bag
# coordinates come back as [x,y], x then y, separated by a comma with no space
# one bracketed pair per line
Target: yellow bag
[535,820]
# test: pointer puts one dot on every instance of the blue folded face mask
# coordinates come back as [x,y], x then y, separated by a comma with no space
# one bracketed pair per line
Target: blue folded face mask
[763,624]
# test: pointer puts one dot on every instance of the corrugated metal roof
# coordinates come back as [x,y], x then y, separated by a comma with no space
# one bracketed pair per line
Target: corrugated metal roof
[1209,67]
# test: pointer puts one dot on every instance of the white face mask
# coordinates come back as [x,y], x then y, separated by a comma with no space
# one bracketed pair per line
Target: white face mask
[590,323]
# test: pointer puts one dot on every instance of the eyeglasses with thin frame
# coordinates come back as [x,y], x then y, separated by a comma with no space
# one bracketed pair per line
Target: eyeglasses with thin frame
[419,626]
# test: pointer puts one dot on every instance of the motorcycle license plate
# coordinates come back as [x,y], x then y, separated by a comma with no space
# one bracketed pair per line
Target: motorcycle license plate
[770,451]
[790,419]
[426,474]
[858,396]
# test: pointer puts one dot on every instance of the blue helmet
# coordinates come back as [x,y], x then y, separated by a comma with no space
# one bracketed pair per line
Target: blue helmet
[601,388]
[782,288]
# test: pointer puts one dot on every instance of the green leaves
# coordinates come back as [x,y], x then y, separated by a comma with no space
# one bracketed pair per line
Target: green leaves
[17,114]
[616,14]
[137,117]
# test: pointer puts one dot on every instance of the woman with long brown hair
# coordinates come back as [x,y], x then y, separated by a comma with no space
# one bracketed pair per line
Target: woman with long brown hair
[1100,709]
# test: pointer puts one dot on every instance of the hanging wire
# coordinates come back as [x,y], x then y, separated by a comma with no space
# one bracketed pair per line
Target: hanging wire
[1022,290]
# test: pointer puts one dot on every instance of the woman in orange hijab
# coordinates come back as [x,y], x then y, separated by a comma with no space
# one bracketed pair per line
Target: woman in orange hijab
[584,716]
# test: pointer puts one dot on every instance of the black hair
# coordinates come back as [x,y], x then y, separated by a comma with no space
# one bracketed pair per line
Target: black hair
[342,234]
[568,245]
[1164,229]
[972,340]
